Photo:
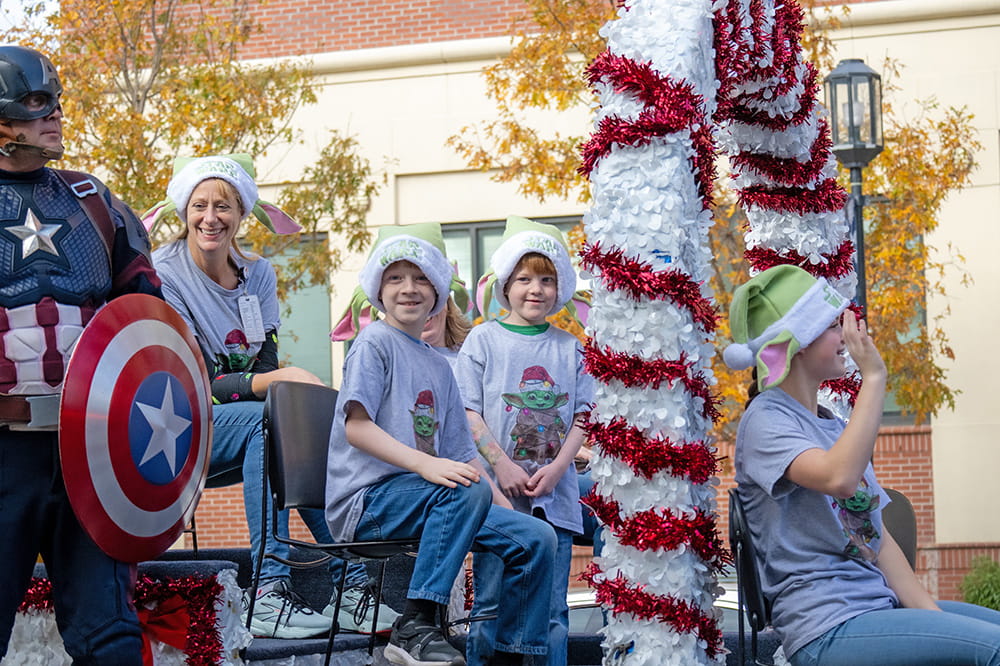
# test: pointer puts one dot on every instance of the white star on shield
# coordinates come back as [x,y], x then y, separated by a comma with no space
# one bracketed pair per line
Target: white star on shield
[167,427]
[35,236]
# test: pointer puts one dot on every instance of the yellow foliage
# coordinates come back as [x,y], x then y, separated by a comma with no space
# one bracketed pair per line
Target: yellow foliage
[148,80]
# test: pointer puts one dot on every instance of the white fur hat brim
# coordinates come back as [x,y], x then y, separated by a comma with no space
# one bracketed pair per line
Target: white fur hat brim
[415,250]
[526,242]
[183,183]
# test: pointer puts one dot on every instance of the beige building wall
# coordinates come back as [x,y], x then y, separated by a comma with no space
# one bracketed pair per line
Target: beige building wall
[402,103]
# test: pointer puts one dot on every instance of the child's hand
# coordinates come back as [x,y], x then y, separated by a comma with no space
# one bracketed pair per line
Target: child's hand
[447,472]
[861,346]
[511,478]
[544,480]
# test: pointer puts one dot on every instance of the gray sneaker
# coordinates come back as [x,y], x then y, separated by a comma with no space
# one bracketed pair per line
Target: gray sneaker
[356,607]
[280,613]
[417,642]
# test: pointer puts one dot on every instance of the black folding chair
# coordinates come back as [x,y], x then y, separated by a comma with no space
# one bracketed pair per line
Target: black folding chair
[901,521]
[297,422]
[751,597]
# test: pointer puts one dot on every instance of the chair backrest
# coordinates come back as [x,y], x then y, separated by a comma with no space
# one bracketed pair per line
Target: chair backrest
[901,521]
[745,555]
[297,422]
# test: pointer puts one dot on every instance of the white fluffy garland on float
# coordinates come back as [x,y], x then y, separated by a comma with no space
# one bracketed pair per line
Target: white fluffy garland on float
[651,351]
[662,88]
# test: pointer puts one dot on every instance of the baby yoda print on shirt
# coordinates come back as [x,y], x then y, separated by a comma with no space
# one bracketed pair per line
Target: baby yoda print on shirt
[539,430]
[855,514]
[424,425]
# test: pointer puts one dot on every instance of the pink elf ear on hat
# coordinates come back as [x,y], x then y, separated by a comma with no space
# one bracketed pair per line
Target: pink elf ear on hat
[236,169]
[773,315]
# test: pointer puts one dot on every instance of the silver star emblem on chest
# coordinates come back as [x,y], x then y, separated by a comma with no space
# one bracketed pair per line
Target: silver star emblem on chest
[35,236]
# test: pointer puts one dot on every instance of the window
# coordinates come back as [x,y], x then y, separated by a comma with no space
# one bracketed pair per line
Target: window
[304,336]
[471,245]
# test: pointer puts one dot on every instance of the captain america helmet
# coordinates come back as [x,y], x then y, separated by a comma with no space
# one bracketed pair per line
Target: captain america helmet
[25,72]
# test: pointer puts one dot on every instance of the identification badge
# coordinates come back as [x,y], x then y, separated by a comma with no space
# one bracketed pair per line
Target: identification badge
[253,322]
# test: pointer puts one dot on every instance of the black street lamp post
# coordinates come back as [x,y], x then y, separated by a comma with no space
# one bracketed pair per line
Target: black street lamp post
[854,100]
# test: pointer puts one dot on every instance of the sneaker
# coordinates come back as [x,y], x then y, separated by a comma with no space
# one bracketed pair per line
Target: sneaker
[355,608]
[417,642]
[280,613]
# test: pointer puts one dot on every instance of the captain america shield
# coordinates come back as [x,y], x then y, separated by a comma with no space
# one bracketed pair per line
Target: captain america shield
[135,425]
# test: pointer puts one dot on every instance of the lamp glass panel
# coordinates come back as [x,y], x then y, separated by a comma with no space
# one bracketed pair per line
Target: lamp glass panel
[862,109]
[844,101]
[876,93]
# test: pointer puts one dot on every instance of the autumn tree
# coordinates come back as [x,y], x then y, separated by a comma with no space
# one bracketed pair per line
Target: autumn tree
[148,80]
[925,158]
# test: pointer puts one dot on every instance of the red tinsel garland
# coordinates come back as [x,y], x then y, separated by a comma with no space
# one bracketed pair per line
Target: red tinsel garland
[647,456]
[777,123]
[621,596]
[837,265]
[638,279]
[671,106]
[662,529]
[790,170]
[848,387]
[607,365]
[204,645]
[827,197]
[38,596]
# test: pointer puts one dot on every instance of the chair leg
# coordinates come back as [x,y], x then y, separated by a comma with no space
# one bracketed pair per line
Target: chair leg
[740,654]
[378,602]
[335,627]
[263,538]
[193,531]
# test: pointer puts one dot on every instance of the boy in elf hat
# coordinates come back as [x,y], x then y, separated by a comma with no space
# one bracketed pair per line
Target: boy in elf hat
[842,591]
[381,485]
[230,302]
[524,386]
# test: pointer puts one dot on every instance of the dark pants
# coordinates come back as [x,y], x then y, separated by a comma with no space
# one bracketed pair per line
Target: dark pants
[92,592]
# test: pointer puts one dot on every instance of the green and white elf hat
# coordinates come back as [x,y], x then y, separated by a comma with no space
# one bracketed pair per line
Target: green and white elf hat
[237,170]
[421,244]
[773,315]
[523,236]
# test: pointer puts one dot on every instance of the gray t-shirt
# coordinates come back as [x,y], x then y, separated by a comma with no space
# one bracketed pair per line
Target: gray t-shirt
[211,311]
[528,388]
[816,554]
[408,390]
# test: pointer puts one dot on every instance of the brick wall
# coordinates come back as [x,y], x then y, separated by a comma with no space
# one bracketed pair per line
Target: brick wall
[306,27]
[297,27]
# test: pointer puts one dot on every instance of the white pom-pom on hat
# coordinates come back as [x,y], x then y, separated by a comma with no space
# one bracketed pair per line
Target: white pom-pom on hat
[738,356]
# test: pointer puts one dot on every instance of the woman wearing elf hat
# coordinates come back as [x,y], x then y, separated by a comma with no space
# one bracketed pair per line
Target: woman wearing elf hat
[842,591]
[229,300]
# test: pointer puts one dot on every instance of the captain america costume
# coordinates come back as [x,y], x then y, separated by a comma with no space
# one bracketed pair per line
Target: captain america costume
[67,246]
[51,285]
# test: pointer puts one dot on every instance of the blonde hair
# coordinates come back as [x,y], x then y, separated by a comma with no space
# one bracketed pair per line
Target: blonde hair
[456,325]
[224,189]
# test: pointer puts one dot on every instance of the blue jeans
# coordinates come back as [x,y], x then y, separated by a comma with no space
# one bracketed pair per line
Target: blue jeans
[487,572]
[450,522]
[592,528]
[238,442]
[92,592]
[963,635]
